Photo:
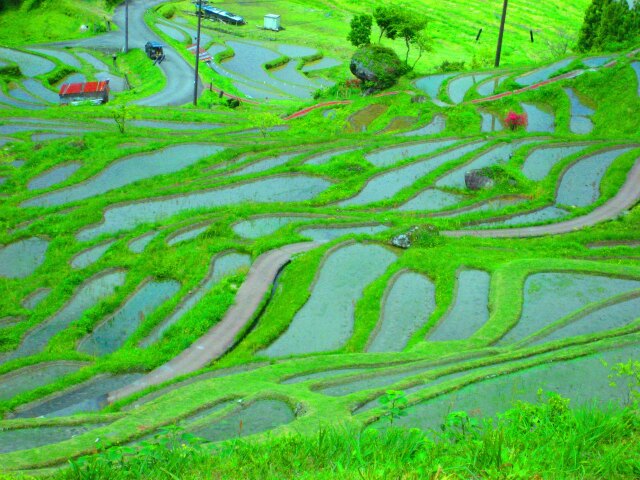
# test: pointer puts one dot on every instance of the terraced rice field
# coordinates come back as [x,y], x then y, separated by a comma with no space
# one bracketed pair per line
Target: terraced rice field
[268,266]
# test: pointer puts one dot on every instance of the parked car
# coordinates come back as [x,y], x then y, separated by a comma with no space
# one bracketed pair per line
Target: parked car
[154,50]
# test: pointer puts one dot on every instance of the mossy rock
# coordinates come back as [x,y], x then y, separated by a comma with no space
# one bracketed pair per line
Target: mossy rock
[378,67]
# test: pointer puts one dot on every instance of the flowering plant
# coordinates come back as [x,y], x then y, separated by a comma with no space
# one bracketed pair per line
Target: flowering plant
[515,120]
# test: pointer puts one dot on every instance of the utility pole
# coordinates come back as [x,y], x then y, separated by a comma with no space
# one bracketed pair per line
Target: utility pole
[195,81]
[126,26]
[504,17]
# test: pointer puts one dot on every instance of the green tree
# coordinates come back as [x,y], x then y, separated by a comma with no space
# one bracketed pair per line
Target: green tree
[265,122]
[607,22]
[386,18]
[410,26]
[613,23]
[423,44]
[120,115]
[590,25]
[7,4]
[360,33]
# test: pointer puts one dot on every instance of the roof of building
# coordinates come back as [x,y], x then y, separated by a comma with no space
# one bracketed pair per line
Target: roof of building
[88,87]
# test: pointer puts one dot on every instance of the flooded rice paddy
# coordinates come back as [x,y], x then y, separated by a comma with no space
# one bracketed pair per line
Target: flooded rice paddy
[408,304]
[325,322]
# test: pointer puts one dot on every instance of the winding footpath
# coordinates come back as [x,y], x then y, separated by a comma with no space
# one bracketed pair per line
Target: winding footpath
[222,336]
[305,111]
[626,198]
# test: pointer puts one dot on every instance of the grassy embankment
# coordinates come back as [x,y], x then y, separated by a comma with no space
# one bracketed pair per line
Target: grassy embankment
[37,21]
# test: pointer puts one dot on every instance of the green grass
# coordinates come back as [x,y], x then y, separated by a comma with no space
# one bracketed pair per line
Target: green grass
[144,77]
[53,21]
[307,23]
[543,440]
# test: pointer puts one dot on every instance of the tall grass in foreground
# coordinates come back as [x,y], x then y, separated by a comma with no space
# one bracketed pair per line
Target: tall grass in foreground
[546,440]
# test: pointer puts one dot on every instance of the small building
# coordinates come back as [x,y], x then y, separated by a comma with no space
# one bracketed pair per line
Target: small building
[217,14]
[95,93]
[272,22]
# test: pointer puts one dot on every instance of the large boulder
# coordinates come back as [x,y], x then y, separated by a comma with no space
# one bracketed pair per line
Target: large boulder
[426,235]
[377,67]
[478,180]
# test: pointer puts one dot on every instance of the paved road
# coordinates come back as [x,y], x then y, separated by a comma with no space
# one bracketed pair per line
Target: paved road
[222,336]
[179,73]
[626,198]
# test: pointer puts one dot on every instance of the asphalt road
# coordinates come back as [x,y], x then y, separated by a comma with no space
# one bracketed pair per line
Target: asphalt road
[179,74]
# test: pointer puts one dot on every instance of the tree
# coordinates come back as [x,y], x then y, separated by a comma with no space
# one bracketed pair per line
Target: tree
[560,43]
[423,43]
[590,25]
[120,115]
[409,26]
[386,18]
[360,33]
[606,22]
[265,122]
[612,23]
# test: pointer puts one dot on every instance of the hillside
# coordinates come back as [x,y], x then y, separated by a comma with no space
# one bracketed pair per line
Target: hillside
[307,266]
[37,21]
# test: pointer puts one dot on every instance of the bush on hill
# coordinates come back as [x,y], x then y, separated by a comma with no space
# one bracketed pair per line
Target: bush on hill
[609,25]
[378,67]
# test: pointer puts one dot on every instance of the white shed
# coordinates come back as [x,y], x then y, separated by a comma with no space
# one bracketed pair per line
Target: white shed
[272,22]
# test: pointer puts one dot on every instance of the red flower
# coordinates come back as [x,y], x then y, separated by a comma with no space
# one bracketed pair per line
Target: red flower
[514,120]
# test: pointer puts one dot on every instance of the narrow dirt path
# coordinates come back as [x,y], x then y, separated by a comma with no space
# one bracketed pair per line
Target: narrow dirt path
[305,111]
[535,86]
[626,198]
[223,335]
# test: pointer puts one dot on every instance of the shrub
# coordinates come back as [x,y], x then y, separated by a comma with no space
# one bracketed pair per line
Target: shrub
[168,11]
[448,66]
[353,83]
[515,120]
[12,71]
[60,73]
[277,62]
